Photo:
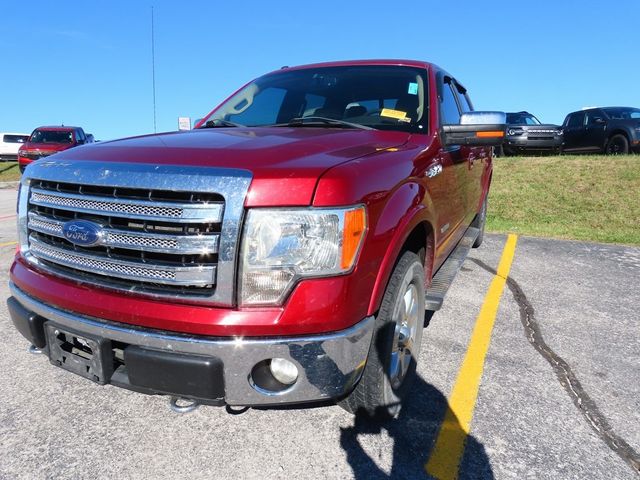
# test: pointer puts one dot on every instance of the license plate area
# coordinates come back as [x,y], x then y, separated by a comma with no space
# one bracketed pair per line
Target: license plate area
[87,356]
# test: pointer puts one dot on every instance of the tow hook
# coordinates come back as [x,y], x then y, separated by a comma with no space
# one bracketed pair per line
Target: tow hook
[185,405]
[34,350]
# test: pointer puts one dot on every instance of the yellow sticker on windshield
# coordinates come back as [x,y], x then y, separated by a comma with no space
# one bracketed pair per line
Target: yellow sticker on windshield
[388,112]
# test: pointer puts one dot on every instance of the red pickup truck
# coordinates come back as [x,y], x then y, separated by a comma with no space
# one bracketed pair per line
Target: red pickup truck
[45,141]
[284,251]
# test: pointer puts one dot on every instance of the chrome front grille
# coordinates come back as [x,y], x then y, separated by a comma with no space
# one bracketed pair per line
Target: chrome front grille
[142,209]
[165,231]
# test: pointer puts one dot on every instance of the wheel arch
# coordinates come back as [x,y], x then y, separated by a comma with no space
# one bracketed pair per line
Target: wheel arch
[414,232]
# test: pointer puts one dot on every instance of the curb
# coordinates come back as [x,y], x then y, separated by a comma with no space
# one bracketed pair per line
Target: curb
[4,185]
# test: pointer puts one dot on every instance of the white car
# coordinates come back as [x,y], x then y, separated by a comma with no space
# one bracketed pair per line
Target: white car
[9,145]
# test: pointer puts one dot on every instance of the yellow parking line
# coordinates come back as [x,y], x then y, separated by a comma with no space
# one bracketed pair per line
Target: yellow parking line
[6,244]
[447,452]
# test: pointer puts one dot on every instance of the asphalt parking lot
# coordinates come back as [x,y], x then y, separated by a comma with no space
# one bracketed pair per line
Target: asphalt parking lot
[559,396]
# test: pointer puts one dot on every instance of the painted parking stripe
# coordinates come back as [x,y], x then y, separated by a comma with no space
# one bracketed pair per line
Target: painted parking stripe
[449,446]
[6,244]
[6,217]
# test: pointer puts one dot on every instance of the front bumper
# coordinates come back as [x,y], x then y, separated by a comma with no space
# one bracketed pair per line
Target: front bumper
[523,143]
[329,365]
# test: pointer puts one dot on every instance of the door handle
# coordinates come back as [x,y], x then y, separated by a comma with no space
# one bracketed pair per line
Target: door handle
[434,170]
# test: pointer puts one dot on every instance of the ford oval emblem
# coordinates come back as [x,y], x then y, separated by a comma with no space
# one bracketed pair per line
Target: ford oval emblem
[83,232]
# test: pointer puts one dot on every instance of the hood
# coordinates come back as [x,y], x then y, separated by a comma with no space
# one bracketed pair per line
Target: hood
[281,159]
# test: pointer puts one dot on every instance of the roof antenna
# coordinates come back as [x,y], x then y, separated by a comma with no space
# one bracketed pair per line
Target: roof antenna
[153,72]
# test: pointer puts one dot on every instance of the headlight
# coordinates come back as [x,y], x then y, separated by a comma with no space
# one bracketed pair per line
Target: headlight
[281,246]
[513,131]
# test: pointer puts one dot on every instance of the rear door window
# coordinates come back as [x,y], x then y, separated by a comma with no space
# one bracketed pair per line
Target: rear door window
[463,99]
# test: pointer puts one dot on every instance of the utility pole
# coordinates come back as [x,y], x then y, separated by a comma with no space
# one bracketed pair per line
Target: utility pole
[153,71]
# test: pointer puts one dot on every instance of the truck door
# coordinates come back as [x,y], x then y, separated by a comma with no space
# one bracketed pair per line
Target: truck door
[573,131]
[446,178]
[477,158]
[595,130]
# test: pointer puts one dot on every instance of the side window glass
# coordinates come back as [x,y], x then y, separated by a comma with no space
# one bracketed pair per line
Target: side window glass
[576,120]
[312,103]
[463,99]
[594,118]
[449,112]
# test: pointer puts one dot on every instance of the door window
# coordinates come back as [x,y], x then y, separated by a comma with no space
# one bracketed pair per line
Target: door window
[576,120]
[594,118]
[449,112]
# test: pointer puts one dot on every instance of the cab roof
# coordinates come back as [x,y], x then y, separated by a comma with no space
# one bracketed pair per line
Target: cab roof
[60,128]
[346,63]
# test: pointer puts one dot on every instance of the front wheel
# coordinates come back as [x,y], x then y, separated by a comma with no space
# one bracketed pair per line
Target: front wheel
[395,346]
[617,145]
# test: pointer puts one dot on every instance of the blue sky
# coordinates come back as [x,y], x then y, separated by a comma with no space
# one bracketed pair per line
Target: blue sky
[88,63]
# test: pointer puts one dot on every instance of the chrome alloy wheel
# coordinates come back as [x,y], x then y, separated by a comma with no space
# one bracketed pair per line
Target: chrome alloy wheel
[407,314]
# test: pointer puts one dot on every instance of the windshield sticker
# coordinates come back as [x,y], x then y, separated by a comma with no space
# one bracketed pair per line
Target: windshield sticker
[397,114]
[413,88]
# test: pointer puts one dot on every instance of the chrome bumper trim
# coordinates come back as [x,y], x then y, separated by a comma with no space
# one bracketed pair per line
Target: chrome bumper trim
[330,364]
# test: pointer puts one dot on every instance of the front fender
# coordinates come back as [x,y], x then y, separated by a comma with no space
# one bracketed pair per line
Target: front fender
[407,207]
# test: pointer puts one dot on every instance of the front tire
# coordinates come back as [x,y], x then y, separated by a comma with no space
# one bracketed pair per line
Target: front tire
[617,145]
[395,346]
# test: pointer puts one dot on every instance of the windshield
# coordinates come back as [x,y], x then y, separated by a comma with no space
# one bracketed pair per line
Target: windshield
[51,136]
[522,118]
[381,97]
[622,113]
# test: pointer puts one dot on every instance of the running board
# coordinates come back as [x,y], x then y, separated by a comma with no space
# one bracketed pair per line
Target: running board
[449,269]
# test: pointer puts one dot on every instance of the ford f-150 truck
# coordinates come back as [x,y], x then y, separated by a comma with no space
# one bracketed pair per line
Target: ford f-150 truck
[284,251]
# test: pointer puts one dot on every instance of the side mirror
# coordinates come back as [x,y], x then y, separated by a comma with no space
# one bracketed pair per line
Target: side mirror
[476,129]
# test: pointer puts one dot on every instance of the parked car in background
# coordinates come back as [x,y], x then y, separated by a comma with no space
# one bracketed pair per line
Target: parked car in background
[610,130]
[9,145]
[45,141]
[526,134]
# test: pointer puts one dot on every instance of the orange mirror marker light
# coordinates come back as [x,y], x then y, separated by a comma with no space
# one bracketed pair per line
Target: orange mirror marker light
[355,226]
[491,134]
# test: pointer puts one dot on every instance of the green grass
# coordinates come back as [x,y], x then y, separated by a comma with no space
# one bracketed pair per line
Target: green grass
[592,198]
[9,171]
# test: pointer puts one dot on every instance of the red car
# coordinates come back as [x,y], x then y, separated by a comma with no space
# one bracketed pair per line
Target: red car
[45,141]
[276,254]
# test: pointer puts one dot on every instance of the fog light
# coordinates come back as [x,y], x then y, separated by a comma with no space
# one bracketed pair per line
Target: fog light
[283,370]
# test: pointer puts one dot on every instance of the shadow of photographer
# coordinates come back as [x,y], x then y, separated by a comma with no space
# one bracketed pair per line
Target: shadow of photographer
[414,432]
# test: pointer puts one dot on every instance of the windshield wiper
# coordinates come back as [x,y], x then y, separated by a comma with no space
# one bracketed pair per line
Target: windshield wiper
[321,121]
[219,122]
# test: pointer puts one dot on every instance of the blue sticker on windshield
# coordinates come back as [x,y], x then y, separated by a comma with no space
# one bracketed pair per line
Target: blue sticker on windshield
[413,88]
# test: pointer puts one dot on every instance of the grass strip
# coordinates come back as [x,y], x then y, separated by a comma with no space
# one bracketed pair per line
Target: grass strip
[586,197]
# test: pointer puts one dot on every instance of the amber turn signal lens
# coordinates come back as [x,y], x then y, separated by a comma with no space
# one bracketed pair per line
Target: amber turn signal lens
[491,134]
[355,225]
